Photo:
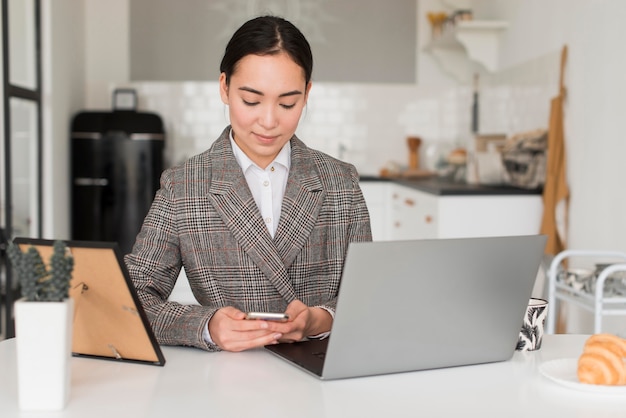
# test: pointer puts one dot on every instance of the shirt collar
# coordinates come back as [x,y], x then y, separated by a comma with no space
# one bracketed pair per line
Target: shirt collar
[283,158]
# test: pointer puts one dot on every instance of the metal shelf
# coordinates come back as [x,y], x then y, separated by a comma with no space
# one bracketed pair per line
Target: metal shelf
[599,302]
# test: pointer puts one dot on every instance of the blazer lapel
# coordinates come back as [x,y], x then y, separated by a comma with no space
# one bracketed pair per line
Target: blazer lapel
[302,202]
[230,195]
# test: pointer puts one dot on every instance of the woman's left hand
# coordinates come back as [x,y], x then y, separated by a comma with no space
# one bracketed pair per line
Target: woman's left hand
[304,322]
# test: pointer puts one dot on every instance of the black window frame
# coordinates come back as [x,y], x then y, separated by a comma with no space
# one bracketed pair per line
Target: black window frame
[12,91]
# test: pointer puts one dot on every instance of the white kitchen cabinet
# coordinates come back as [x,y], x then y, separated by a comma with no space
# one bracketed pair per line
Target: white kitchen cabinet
[499,215]
[376,195]
[181,292]
[413,214]
[410,213]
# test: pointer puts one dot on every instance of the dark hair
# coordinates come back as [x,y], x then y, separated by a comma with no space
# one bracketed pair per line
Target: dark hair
[267,35]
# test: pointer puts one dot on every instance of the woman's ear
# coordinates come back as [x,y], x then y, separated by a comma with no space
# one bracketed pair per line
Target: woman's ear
[306,92]
[223,88]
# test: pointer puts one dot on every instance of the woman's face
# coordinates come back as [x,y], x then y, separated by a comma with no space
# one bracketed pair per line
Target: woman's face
[265,97]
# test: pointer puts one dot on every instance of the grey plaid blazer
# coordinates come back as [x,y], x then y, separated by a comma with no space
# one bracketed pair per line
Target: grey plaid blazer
[204,218]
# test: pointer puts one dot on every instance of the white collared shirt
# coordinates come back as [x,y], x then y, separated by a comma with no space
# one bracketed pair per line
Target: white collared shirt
[267,185]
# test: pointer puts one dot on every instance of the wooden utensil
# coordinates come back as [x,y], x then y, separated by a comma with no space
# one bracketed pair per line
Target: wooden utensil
[414,143]
[414,171]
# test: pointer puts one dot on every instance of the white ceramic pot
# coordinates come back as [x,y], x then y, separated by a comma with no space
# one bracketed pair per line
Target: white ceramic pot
[43,333]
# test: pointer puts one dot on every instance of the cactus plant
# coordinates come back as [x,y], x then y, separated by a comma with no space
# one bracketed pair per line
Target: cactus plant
[38,282]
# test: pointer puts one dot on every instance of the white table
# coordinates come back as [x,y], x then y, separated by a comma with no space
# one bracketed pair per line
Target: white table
[258,384]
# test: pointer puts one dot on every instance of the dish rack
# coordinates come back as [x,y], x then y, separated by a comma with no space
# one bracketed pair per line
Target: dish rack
[599,301]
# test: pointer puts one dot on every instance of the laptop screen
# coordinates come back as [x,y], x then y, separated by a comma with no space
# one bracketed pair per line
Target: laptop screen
[424,304]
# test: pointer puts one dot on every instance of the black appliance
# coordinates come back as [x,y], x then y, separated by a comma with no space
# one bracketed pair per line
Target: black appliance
[117,160]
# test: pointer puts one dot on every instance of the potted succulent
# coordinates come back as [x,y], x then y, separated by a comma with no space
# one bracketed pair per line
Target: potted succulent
[43,326]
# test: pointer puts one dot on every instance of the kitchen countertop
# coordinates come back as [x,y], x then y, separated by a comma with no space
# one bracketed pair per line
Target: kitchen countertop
[442,187]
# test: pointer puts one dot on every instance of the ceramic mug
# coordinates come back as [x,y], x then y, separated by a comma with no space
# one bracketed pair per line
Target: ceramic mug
[531,334]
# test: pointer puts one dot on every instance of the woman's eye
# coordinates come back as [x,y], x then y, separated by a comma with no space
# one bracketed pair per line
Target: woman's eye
[284,106]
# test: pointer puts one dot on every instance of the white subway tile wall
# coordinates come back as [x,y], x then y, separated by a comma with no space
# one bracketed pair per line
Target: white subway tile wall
[367,124]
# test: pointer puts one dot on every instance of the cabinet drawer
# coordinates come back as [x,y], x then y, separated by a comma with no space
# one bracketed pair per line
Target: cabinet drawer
[413,213]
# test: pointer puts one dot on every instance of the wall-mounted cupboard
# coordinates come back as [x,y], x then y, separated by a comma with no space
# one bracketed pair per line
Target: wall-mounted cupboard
[355,41]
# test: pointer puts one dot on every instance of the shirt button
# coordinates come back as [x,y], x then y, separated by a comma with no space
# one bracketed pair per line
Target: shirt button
[268,220]
[266,183]
[272,168]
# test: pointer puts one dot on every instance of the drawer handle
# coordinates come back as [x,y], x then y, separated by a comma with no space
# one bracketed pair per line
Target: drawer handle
[409,202]
[428,219]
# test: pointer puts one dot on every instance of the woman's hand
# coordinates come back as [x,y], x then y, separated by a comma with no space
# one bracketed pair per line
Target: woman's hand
[231,331]
[304,322]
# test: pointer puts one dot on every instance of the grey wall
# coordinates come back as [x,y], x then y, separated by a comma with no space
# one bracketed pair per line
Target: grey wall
[352,40]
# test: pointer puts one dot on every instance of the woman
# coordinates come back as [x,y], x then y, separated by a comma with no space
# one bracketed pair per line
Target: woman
[259,221]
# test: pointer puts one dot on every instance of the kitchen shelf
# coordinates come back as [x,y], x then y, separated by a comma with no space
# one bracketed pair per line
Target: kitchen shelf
[601,303]
[469,40]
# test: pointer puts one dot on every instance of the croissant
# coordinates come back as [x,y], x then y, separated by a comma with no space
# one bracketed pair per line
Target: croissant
[602,361]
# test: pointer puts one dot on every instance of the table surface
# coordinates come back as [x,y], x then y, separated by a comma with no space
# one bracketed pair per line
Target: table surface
[256,383]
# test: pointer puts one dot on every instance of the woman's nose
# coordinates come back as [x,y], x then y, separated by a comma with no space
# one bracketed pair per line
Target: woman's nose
[268,118]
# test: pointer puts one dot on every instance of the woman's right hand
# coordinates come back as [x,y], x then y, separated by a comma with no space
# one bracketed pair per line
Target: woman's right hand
[231,331]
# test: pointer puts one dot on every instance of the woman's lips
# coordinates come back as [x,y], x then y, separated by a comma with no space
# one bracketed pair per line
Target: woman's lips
[266,138]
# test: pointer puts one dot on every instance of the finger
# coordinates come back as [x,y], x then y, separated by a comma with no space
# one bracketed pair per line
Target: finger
[250,325]
[232,312]
[292,337]
[270,339]
[295,307]
[250,341]
[291,331]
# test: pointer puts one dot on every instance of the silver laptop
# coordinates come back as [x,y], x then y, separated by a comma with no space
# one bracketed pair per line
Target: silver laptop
[424,304]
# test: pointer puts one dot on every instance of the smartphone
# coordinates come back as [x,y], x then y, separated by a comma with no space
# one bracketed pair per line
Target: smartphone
[268,316]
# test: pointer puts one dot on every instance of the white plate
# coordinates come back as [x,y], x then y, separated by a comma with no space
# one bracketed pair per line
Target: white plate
[564,372]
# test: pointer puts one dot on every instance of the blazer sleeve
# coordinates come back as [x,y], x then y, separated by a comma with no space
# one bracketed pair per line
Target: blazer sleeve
[154,266]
